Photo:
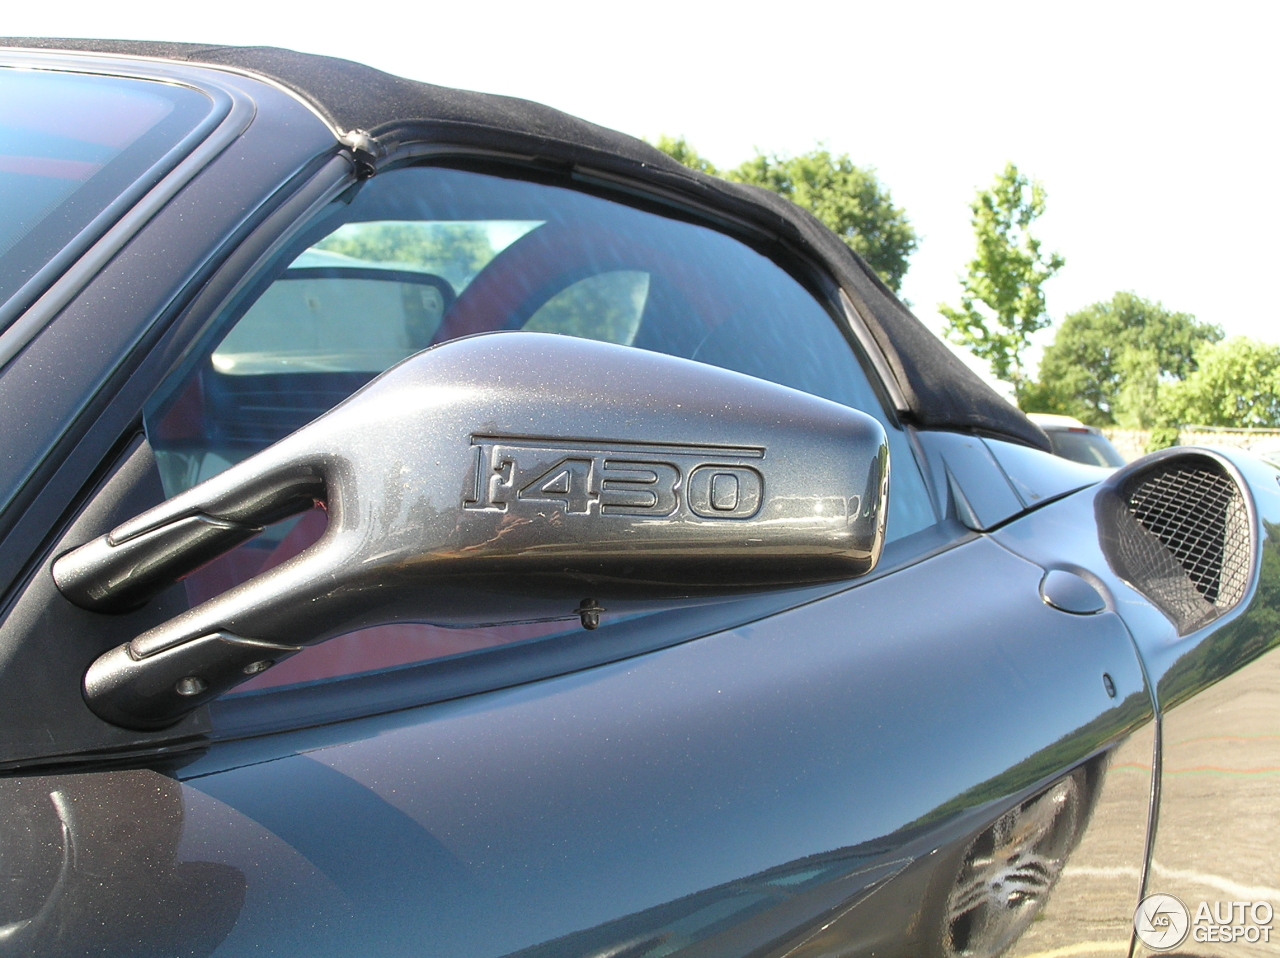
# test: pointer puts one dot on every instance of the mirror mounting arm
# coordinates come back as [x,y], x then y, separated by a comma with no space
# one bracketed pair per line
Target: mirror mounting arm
[494,478]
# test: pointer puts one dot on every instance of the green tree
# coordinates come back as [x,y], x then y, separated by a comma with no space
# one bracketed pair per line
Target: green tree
[1237,383]
[1002,302]
[678,148]
[848,199]
[1107,361]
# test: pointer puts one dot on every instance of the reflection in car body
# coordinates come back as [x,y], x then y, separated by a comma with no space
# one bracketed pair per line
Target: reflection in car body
[943,717]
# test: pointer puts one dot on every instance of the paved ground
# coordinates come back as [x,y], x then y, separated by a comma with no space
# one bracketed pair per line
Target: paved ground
[1219,835]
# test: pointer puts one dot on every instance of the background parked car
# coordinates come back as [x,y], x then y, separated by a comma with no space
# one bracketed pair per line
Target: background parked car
[1268,449]
[1072,439]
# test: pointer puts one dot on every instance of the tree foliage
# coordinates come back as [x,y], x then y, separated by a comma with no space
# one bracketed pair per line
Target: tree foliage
[1002,300]
[1237,384]
[1107,361]
[849,199]
[679,149]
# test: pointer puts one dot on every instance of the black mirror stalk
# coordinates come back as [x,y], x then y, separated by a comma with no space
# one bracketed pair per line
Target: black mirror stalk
[495,478]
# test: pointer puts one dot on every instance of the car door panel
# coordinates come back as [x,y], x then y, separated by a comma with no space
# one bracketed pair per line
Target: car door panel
[742,791]
[862,729]
[735,793]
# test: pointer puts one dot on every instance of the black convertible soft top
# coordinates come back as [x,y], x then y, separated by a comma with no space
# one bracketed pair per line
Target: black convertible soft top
[938,390]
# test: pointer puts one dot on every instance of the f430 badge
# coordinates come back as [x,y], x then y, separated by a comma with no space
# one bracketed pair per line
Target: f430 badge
[585,477]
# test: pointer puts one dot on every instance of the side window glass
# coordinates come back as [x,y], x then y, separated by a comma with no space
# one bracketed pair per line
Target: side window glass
[426,255]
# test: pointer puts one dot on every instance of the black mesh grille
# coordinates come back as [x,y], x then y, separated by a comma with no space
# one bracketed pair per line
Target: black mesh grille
[1198,514]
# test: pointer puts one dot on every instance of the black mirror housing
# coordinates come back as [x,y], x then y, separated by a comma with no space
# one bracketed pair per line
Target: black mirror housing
[501,477]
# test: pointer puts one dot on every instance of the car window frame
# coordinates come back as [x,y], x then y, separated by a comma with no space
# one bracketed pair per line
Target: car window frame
[245,266]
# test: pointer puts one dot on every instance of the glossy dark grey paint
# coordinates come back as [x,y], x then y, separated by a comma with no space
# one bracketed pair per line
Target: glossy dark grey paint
[967,477]
[1065,535]
[1219,694]
[987,482]
[1071,593]
[1092,904]
[498,477]
[867,729]
[1038,477]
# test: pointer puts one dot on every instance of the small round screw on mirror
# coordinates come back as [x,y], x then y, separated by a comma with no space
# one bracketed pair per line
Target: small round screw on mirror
[590,611]
[253,668]
[1109,685]
[191,685]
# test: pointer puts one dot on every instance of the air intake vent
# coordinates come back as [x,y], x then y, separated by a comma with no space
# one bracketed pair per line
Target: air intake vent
[1178,532]
[1200,517]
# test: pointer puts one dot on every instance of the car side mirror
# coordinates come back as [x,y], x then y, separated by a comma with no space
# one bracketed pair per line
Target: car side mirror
[501,477]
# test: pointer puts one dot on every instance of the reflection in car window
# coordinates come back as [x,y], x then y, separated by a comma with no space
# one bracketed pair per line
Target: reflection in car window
[425,255]
[457,251]
[607,307]
[69,145]
[302,323]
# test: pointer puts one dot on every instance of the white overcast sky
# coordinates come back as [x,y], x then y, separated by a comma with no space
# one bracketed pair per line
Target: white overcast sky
[1152,125]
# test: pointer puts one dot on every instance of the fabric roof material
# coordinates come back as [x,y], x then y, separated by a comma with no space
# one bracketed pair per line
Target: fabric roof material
[939,390]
